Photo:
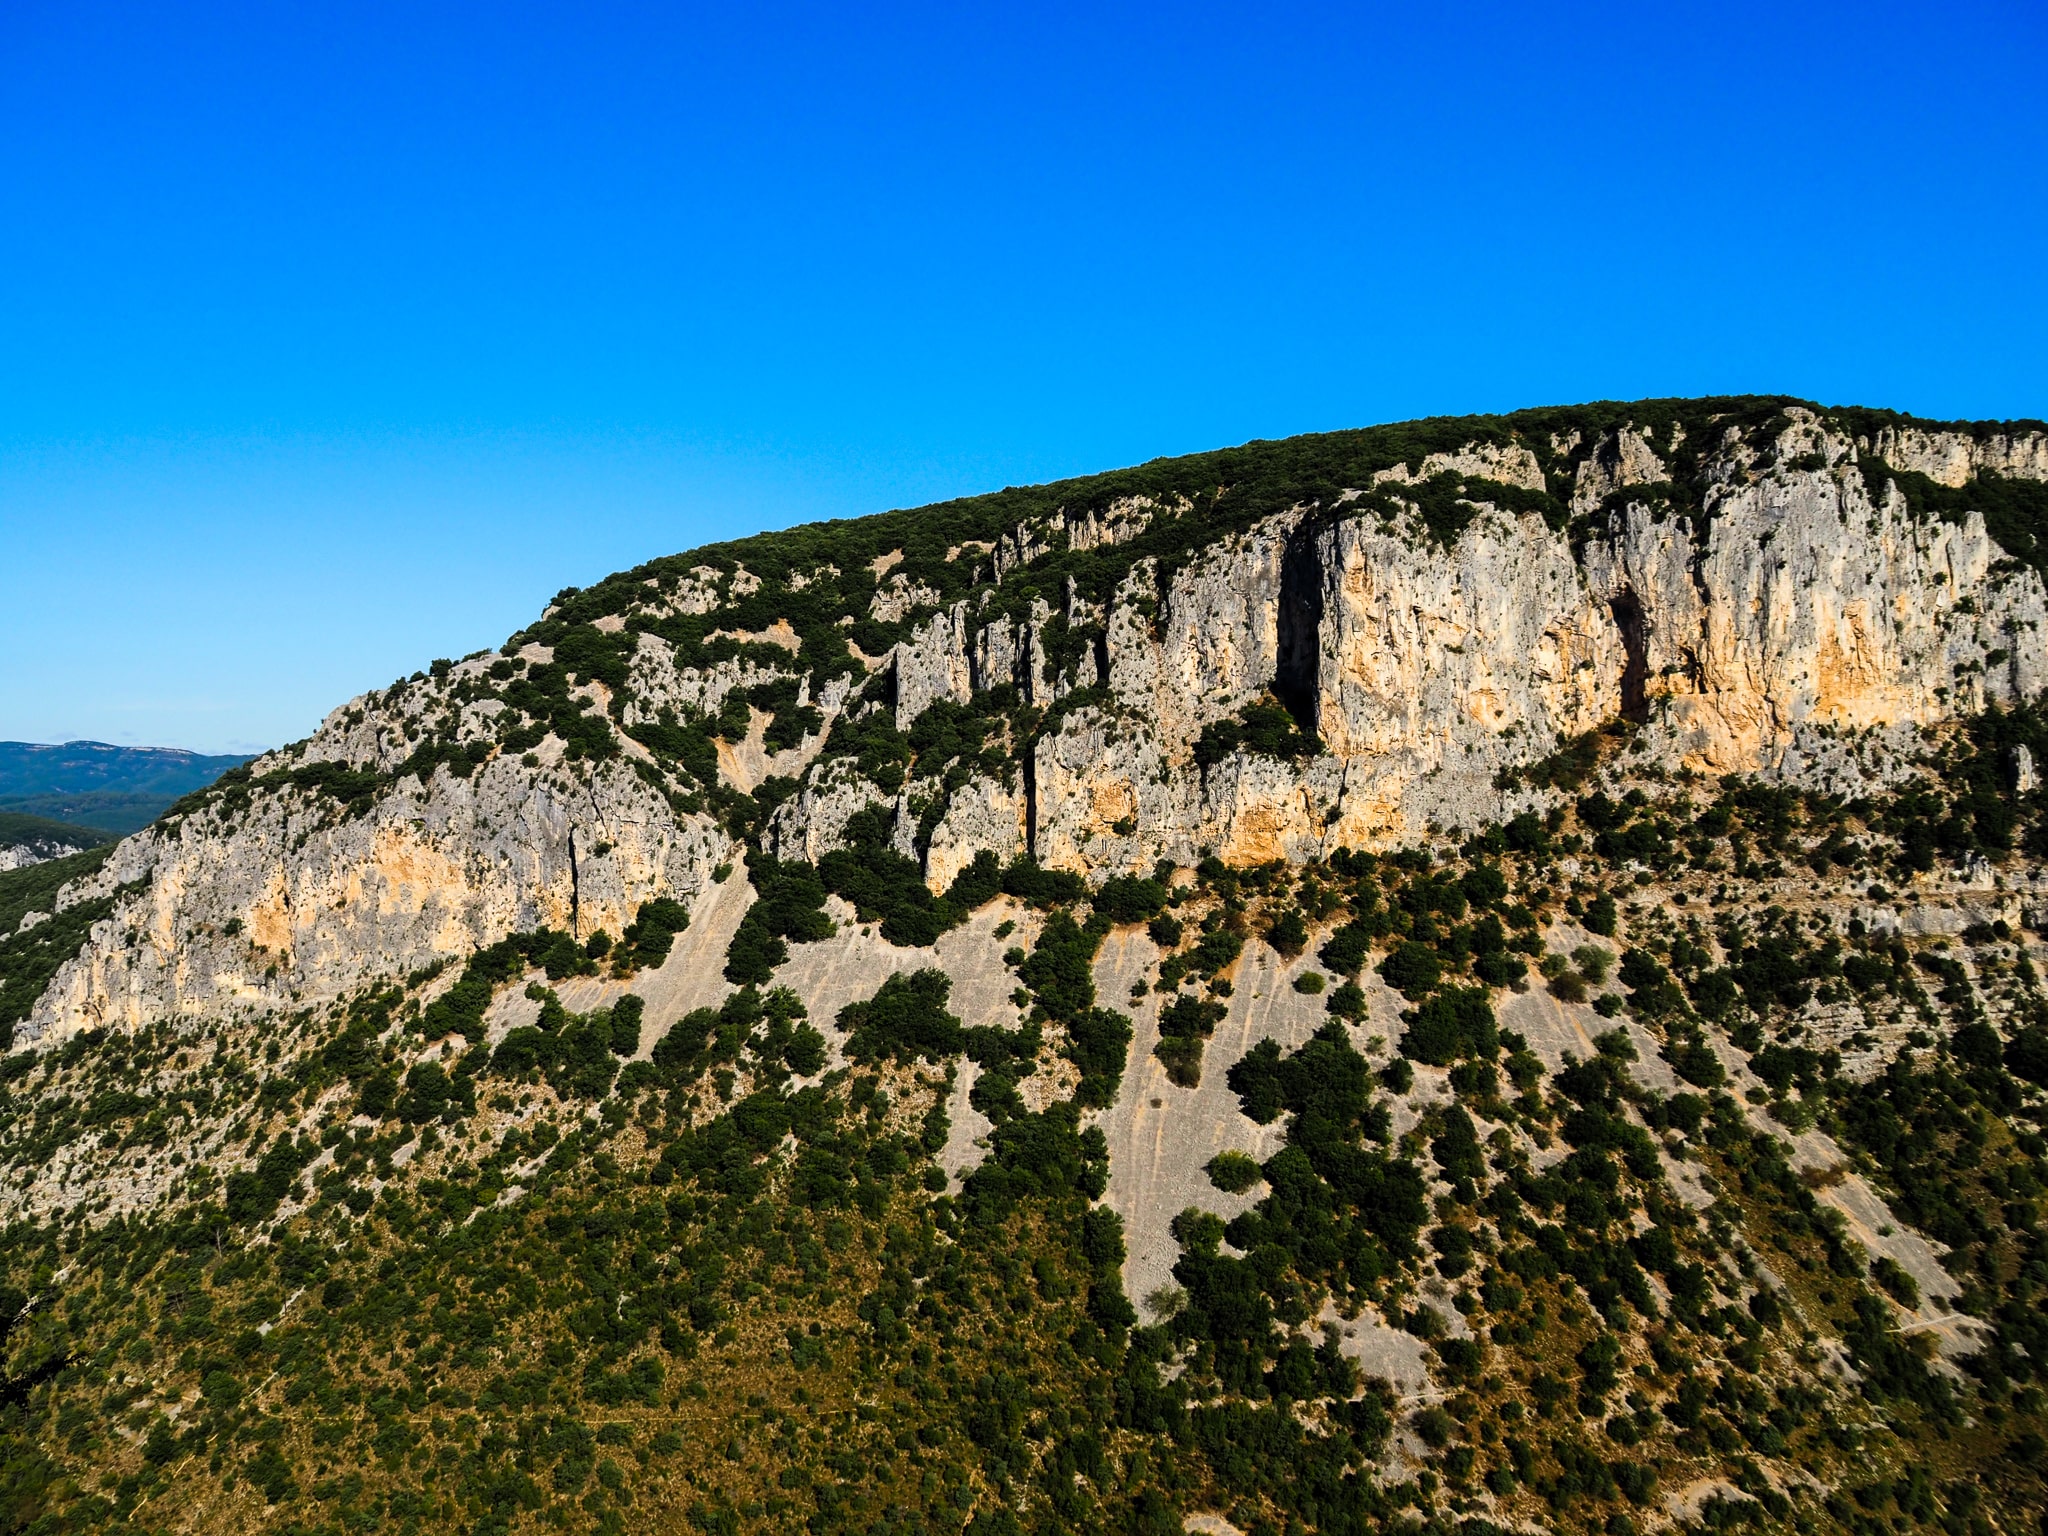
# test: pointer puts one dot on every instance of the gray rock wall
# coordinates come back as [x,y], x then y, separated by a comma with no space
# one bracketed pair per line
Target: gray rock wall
[1790,624]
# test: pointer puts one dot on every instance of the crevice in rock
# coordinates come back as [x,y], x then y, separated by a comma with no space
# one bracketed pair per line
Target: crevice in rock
[1300,617]
[1696,572]
[1630,619]
[575,892]
[1029,762]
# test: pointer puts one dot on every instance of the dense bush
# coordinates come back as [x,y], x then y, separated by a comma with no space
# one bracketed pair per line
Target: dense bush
[651,934]
[789,906]
[576,1054]
[1412,969]
[905,1020]
[1264,729]
[1184,1024]
[1035,885]
[1233,1172]
[1453,1023]
[1129,899]
[1288,933]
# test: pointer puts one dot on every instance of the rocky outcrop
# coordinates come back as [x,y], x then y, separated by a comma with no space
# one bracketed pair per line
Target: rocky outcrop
[1793,615]
[35,851]
[985,815]
[813,822]
[1779,613]
[290,900]
[1508,463]
[935,664]
[1953,458]
[1806,606]
[1618,461]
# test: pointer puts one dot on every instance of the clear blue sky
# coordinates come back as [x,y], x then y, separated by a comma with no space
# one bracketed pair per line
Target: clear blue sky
[334,338]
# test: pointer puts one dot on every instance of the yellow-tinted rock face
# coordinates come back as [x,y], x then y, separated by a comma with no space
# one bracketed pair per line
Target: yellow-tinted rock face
[292,900]
[1806,604]
[1792,609]
[1791,605]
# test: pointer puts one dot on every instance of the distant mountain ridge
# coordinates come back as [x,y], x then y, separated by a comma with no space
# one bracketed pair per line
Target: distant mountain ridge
[101,786]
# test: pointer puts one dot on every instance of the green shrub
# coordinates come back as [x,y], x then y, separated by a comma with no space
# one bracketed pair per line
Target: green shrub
[734,718]
[652,933]
[1288,933]
[1215,950]
[1896,1282]
[789,906]
[1034,885]
[1181,1056]
[1100,1044]
[1567,986]
[626,1015]
[1484,886]
[1128,899]
[805,1053]
[905,1020]
[1412,969]
[1234,1172]
[1498,968]
[1264,728]
[1345,950]
[1347,1002]
[576,1052]
[1191,1016]
[978,884]
[1184,1025]
[1060,968]
[1453,1023]
[884,886]
[1600,915]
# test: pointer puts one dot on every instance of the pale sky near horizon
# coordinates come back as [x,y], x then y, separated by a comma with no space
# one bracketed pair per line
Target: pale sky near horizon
[335,339]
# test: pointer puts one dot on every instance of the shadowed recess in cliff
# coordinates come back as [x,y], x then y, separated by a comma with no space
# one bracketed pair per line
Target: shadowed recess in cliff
[1635,673]
[1300,646]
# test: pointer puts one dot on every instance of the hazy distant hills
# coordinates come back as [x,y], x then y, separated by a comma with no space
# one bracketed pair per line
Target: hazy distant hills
[95,785]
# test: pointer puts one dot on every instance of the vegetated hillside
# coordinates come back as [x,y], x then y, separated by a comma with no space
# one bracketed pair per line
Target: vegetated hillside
[1478,974]
[31,839]
[115,813]
[112,789]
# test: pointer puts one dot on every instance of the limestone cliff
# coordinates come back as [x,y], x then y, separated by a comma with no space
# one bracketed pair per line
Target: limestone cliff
[1752,587]
[1599,1086]
[1789,612]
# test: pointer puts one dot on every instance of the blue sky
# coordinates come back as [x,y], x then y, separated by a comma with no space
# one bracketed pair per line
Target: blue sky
[336,338]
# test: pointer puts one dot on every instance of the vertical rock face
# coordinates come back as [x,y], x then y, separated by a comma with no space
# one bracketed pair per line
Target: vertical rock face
[984,815]
[1788,609]
[1952,458]
[1806,605]
[1218,645]
[292,900]
[1621,459]
[1448,655]
[1754,599]
[933,664]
